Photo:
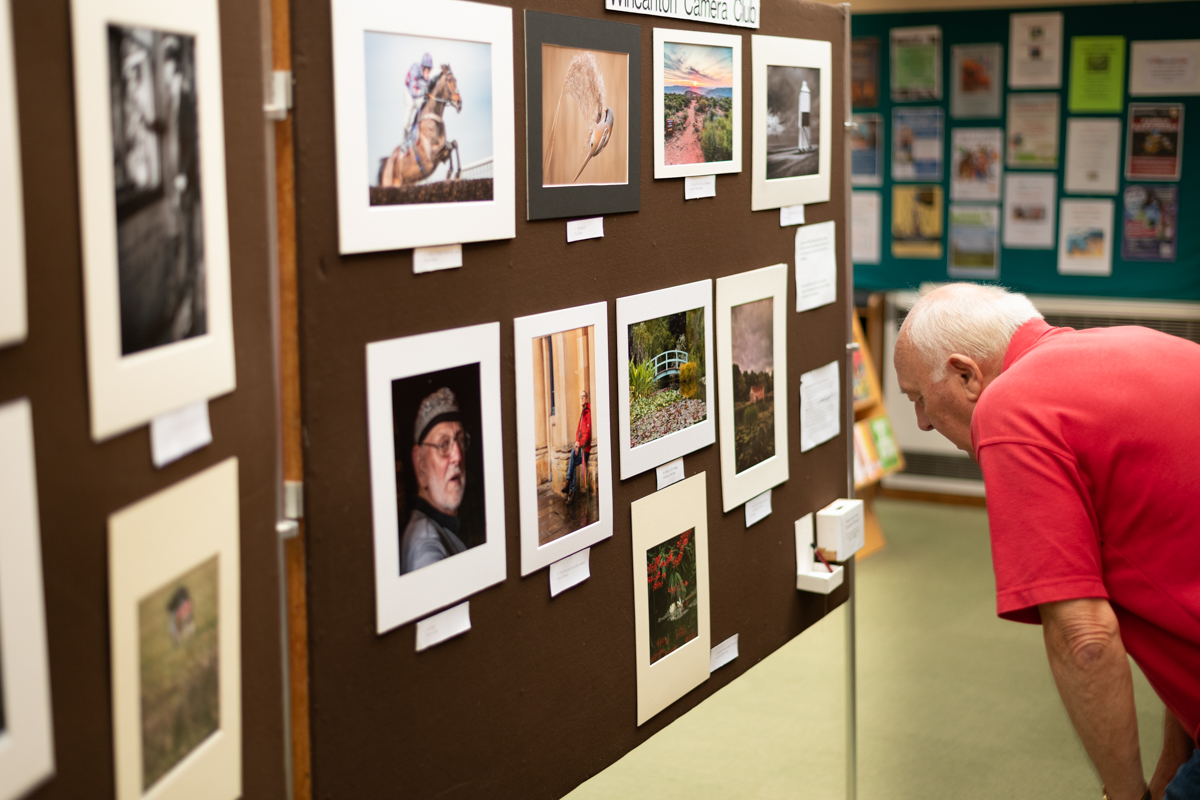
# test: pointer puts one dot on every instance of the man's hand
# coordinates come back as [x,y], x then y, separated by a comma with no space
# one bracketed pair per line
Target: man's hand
[1091,669]
[1177,748]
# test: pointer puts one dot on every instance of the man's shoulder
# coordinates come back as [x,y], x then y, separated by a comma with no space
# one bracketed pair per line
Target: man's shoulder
[420,527]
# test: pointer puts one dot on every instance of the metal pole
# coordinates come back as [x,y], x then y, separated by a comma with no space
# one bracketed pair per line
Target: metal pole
[851,346]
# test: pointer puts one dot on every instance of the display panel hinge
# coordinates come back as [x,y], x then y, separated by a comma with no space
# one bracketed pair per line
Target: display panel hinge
[281,95]
[293,500]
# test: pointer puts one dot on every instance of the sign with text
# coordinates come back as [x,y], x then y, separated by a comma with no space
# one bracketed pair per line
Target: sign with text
[741,13]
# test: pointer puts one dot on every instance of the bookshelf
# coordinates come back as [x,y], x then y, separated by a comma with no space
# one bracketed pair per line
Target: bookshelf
[875,451]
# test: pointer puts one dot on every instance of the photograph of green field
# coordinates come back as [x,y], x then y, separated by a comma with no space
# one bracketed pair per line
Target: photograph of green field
[667,377]
[180,701]
[697,103]
[752,342]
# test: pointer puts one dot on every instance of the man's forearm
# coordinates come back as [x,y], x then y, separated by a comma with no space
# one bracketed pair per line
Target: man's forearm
[1091,670]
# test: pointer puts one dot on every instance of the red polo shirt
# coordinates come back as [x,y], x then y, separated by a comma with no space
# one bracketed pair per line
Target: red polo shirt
[1089,443]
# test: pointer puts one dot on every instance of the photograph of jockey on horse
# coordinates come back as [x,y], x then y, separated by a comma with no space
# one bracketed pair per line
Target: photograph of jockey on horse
[410,141]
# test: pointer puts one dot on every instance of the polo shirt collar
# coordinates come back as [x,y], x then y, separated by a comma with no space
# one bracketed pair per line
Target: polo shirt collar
[1024,339]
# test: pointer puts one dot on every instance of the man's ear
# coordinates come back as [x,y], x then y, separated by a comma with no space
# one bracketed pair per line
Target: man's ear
[968,374]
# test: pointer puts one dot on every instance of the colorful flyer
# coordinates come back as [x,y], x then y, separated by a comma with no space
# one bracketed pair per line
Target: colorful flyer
[916,63]
[1035,51]
[866,150]
[976,75]
[864,72]
[1154,146]
[1033,130]
[917,221]
[1164,68]
[974,241]
[1150,225]
[975,163]
[916,144]
[1085,232]
[1097,73]
[1029,210]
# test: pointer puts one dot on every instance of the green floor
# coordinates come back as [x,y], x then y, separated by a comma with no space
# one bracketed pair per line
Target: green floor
[952,702]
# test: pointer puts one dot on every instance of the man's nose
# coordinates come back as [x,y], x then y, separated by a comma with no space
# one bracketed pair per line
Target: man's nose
[922,421]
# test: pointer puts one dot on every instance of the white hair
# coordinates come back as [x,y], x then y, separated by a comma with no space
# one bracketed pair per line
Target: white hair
[972,319]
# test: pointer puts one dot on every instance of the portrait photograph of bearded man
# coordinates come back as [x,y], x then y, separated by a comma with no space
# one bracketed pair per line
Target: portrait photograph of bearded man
[439,465]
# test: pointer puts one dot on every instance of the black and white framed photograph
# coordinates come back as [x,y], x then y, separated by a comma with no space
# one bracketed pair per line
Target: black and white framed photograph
[583,125]
[564,456]
[665,402]
[793,110]
[149,114]
[697,103]
[12,215]
[26,726]
[752,382]
[437,472]
[174,580]
[423,98]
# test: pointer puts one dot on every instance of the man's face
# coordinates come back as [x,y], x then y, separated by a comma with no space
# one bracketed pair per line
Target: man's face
[425,72]
[943,404]
[441,479]
[583,398]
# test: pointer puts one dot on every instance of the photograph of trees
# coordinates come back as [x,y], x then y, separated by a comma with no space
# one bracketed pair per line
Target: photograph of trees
[753,350]
[667,376]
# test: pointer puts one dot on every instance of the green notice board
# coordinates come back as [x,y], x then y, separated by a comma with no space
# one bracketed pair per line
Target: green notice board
[1100,27]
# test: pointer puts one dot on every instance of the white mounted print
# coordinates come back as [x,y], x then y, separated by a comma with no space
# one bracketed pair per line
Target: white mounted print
[793,111]
[423,98]
[151,138]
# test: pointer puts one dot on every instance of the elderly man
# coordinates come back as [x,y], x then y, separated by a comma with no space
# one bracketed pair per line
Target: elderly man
[439,449]
[1088,444]
[582,447]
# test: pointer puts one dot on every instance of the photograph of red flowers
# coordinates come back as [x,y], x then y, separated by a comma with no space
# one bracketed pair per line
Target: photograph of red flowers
[671,583]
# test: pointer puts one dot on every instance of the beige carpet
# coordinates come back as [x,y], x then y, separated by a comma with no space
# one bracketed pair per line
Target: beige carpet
[953,702]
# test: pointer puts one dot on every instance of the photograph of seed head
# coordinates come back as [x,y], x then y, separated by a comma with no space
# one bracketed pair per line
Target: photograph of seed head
[583,104]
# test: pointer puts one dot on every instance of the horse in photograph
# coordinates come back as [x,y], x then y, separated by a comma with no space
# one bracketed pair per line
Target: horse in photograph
[430,150]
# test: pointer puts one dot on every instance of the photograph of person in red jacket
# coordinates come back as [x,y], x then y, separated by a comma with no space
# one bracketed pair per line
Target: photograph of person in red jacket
[564,371]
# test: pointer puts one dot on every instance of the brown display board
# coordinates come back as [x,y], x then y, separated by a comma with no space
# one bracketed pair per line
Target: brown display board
[540,694]
[81,483]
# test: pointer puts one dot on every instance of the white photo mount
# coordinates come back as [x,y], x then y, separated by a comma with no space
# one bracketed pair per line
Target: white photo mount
[12,216]
[151,543]
[779,51]
[525,330]
[657,518]
[403,598]
[27,739]
[735,290]
[661,169]
[363,228]
[639,308]
[128,391]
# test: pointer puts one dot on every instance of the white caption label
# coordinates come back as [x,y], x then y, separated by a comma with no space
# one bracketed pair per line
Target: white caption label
[176,433]
[758,508]
[431,259]
[699,186]
[570,571]
[671,472]
[723,653]
[446,625]
[580,229]
[791,215]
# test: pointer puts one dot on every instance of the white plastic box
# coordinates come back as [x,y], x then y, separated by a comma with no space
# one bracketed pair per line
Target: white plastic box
[811,574]
[840,531]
